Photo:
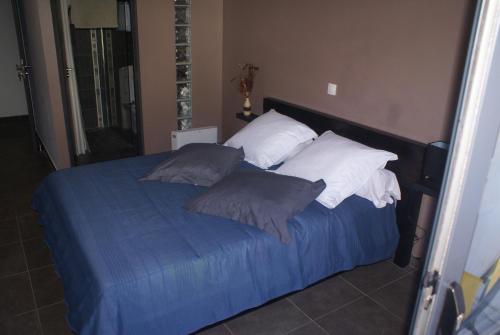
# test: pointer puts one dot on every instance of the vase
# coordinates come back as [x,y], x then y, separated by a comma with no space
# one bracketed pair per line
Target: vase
[247,107]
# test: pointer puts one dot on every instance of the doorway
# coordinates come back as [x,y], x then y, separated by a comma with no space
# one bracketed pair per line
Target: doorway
[15,82]
[98,65]
[460,289]
[12,88]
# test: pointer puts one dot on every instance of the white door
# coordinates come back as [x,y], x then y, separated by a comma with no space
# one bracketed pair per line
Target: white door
[472,148]
[12,94]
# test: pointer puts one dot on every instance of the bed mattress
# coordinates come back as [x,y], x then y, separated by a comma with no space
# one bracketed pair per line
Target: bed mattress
[133,261]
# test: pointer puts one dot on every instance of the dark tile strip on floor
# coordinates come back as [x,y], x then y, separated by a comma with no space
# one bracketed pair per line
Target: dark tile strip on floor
[32,298]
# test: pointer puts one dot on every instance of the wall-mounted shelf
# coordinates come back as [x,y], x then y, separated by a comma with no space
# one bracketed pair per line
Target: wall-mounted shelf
[248,118]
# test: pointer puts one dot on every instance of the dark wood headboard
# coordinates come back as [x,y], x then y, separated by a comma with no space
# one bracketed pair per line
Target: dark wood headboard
[407,168]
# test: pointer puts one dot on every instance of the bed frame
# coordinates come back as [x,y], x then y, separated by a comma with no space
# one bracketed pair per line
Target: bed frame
[407,168]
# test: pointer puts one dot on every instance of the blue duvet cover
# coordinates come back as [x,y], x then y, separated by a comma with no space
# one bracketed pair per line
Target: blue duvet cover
[133,261]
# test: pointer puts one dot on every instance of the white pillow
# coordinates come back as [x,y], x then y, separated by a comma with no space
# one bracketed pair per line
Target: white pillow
[298,149]
[343,164]
[382,188]
[271,138]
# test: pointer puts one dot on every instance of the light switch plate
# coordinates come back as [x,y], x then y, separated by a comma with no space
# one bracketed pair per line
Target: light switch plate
[332,89]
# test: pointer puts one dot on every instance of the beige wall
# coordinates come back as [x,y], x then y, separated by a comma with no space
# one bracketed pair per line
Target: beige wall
[395,62]
[207,25]
[155,20]
[47,98]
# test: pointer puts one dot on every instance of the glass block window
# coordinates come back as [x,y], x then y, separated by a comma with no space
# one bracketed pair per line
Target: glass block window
[183,62]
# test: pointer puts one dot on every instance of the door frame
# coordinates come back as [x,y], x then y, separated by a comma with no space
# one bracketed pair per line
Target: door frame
[24,55]
[137,78]
[61,60]
[61,63]
[472,145]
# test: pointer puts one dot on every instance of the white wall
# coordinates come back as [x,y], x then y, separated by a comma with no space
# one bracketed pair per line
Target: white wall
[13,100]
[485,249]
[47,96]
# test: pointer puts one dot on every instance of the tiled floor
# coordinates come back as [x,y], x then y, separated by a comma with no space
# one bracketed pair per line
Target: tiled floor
[347,303]
[31,296]
[106,144]
[374,299]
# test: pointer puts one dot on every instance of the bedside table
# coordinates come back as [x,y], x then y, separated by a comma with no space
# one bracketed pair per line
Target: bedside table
[411,212]
[245,118]
[429,184]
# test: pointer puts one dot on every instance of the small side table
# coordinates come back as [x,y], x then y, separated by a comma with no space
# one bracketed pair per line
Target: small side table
[412,210]
[245,118]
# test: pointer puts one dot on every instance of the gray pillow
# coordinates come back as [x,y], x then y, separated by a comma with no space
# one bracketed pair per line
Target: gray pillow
[262,199]
[200,164]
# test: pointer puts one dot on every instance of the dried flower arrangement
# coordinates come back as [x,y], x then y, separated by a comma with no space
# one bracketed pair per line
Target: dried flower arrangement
[245,84]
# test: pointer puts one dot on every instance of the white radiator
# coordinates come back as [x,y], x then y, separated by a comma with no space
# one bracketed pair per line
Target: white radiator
[193,135]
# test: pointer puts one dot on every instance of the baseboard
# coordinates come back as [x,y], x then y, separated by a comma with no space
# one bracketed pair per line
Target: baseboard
[13,118]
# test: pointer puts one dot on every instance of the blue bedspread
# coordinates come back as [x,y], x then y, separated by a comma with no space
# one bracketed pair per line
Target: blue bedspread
[133,261]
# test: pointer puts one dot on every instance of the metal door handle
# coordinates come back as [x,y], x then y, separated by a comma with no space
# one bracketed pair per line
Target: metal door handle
[458,298]
[68,71]
[22,71]
[453,311]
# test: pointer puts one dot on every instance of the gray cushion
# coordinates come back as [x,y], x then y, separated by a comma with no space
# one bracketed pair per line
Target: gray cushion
[262,199]
[198,164]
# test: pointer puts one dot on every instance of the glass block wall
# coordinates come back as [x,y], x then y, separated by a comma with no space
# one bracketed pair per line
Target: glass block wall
[183,62]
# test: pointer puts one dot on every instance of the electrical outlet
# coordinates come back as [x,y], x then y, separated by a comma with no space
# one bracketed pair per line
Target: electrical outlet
[332,89]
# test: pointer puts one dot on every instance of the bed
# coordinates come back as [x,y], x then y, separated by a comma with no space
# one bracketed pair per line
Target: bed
[133,261]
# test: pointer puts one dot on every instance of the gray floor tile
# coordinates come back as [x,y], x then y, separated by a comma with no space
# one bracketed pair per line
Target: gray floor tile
[46,286]
[399,297]
[411,269]
[53,320]
[362,317]
[415,265]
[23,211]
[217,330]
[24,195]
[11,259]
[371,277]
[29,226]
[309,329]
[325,296]
[8,232]
[15,296]
[26,324]
[276,318]
[7,207]
[37,253]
